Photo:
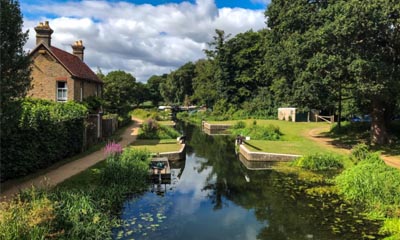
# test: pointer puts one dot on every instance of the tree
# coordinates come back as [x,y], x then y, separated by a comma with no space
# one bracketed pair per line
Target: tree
[328,51]
[153,86]
[371,30]
[15,63]
[220,57]
[178,84]
[204,91]
[120,92]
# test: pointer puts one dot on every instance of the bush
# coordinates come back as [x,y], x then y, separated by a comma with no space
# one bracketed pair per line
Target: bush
[257,132]
[318,162]
[38,134]
[127,168]
[144,114]
[93,104]
[239,125]
[371,182]
[359,152]
[152,130]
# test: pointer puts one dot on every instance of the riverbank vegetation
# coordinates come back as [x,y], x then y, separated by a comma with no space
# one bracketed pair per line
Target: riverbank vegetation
[157,145]
[154,135]
[366,183]
[256,132]
[150,129]
[319,162]
[84,207]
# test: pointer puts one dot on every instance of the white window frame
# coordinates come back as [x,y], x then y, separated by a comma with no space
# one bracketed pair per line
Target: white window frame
[64,92]
[82,91]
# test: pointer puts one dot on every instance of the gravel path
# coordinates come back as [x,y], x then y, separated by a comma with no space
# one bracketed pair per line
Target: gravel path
[68,170]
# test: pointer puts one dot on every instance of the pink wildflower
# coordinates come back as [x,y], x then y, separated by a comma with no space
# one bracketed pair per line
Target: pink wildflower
[112,148]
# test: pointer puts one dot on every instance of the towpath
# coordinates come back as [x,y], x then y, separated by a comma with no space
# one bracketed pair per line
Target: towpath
[53,177]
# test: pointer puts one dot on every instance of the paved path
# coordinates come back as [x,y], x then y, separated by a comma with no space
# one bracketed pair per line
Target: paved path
[68,170]
[315,135]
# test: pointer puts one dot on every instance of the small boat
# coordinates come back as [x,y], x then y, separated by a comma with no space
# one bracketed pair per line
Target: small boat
[159,168]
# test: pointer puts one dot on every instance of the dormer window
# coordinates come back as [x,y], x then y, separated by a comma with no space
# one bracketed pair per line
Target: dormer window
[62,91]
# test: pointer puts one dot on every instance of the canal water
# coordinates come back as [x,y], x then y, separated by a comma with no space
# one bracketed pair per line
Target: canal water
[212,195]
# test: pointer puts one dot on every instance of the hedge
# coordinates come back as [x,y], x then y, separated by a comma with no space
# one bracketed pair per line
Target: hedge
[37,133]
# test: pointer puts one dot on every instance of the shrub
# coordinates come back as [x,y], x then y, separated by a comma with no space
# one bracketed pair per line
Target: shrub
[143,114]
[318,162]
[359,152]
[239,125]
[258,132]
[152,130]
[371,182]
[127,168]
[93,103]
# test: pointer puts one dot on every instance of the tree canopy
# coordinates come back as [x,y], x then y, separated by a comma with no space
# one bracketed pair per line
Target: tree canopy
[14,61]
[339,57]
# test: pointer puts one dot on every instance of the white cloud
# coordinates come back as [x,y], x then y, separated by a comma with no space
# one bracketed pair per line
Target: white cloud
[141,39]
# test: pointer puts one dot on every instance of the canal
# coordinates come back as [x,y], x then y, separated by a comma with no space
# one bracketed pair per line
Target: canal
[212,195]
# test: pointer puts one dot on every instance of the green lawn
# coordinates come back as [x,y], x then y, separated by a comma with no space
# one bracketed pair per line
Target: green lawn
[166,123]
[293,140]
[157,145]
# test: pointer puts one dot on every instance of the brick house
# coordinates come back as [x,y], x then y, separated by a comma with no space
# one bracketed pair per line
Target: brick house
[58,75]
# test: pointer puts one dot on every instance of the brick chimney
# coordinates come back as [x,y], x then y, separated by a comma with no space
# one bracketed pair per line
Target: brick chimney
[43,33]
[77,49]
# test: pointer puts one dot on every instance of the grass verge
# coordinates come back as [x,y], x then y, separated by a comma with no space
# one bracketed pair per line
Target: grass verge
[157,145]
[83,207]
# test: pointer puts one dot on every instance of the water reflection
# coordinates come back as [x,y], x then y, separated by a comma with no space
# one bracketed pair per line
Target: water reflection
[214,196]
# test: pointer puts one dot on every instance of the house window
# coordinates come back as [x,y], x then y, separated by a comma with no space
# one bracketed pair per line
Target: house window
[62,91]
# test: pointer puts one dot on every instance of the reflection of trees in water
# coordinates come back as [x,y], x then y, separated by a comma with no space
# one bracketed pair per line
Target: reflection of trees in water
[277,199]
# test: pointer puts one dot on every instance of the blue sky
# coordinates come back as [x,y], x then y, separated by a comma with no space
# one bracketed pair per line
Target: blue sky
[138,36]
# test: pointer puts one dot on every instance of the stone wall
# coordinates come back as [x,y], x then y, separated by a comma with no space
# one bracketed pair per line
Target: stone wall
[263,156]
[215,128]
[174,156]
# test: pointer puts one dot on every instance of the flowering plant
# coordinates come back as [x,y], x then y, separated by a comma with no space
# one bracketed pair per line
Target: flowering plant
[112,149]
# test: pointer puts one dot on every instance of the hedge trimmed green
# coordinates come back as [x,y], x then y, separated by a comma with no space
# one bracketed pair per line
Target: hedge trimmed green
[37,133]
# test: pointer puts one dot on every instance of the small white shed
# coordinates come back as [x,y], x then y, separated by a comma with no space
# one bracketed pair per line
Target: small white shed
[287,114]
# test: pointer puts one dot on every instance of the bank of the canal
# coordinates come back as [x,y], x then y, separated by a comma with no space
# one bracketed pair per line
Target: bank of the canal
[212,195]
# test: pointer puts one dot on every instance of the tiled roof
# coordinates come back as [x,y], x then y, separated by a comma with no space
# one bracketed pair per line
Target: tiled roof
[74,64]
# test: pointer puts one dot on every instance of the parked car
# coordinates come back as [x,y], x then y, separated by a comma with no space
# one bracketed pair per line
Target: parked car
[365,118]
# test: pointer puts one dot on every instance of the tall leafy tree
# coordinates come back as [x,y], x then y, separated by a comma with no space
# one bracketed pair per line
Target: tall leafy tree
[178,84]
[153,86]
[205,92]
[220,56]
[371,30]
[14,64]
[120,91]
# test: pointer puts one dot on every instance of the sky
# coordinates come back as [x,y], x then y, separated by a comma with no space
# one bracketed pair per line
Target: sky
[142,37]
